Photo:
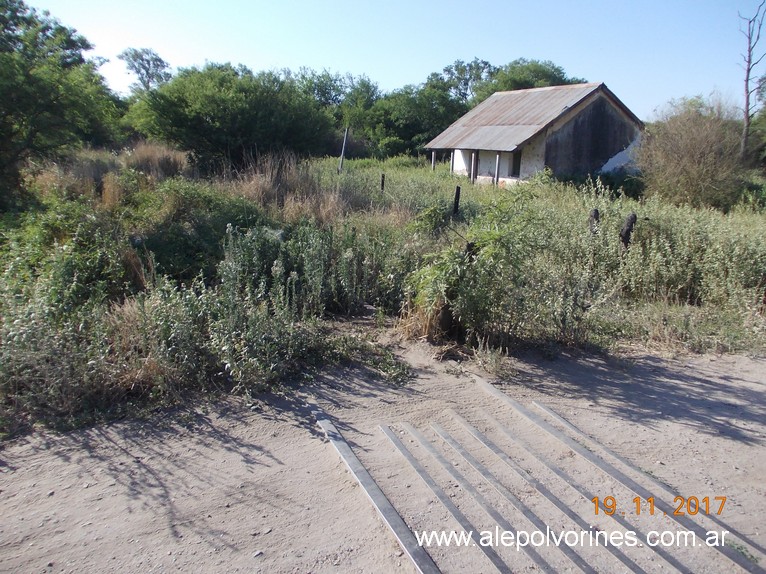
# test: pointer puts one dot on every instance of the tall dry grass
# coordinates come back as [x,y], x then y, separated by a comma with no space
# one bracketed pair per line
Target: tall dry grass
[156,161]
[108,176]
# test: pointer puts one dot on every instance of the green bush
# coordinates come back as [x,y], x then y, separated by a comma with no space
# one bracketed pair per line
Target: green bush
[534,271]
[177,286]
[257,335]
[478,287]
[184,224]
[79,254]
[80,366]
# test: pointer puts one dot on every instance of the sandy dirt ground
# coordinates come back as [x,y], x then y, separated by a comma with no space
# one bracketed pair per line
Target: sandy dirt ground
[229,487]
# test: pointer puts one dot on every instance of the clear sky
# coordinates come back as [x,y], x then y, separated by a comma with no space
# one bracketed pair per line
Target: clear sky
[647,51]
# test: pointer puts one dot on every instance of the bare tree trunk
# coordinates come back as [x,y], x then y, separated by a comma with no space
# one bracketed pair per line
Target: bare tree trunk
[753,35]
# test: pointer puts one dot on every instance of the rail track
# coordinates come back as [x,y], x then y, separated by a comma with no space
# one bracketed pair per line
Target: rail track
[529,491]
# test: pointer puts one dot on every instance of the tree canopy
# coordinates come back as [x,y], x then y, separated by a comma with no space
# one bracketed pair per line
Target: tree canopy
[151,70]
[463,78]
[523,74]
[405,120]
[225,115]
[51,97]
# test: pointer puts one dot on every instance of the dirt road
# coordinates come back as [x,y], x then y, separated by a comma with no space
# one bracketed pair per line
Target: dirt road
[230,488]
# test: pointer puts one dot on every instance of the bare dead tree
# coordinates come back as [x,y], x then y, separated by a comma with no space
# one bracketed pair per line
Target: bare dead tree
[752,32]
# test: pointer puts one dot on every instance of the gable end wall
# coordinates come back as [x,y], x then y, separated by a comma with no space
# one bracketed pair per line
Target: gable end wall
[589,139]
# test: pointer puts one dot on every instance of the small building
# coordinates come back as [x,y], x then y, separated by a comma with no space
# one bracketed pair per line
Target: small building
[574,130]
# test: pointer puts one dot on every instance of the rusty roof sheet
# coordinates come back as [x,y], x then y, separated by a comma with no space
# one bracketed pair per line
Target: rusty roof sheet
[506,120]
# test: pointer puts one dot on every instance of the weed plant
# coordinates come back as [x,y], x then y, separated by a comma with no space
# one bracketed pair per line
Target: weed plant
[536,273]
[150,285]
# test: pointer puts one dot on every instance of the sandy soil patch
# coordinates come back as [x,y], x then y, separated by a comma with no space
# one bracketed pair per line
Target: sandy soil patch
[227,488]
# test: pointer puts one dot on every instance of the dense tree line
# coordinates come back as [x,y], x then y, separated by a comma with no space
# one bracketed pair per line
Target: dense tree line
[52,97]
[222,113]
[225,115]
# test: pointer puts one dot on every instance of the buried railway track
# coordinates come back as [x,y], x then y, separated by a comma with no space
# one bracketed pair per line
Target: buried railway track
[514,488]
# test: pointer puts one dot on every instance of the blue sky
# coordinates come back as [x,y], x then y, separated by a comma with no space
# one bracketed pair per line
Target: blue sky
[647,51]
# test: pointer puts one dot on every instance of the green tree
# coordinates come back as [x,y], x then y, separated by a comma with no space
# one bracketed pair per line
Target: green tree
[437,107]
[327,88]
[360,97]
[151,70]
[225,115]
[405,120]
[523,74]
[463,77]
[757,135]
[51,97]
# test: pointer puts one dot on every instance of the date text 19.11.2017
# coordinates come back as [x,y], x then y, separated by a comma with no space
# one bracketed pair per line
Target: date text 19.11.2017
[683,505]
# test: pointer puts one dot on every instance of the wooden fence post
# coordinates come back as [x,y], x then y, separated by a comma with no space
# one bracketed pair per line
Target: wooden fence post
[456,206]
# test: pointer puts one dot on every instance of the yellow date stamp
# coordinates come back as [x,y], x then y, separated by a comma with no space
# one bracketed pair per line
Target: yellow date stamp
[691,505]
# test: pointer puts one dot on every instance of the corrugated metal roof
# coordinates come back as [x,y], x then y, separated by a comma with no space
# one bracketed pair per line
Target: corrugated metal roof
[506,120]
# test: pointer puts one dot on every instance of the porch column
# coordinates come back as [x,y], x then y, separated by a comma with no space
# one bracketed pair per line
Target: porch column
[433,160]
[497,169]
[473,166]
[452,162]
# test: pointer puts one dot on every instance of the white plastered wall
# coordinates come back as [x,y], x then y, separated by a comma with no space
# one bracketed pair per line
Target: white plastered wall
[532,161]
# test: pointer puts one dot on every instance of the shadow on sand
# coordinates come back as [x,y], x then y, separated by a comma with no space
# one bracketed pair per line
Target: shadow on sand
[704,394]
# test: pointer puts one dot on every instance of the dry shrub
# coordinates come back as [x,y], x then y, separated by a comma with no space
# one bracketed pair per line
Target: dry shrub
[80,175]
[117,187]
[135,348]
[53,179]
[112,191]
[267,180]
[138,275]
[92,165]
[424,322]
[157,161]
[691,154]
[321,209]
[290,187]
[252,186]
